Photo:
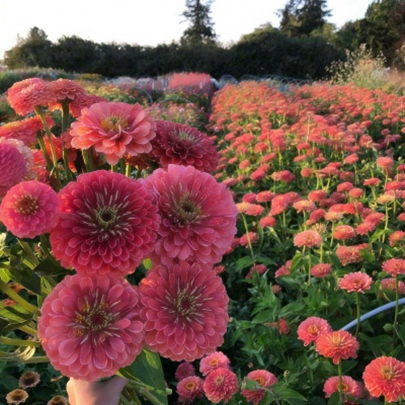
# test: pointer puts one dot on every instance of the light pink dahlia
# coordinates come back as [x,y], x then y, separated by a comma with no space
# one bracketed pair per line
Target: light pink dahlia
[198,216]
[114,129]
[30,209]
[213,361]
[89,326]
[221,385]
[108,224]
[185,310]
[181,144]
[263,379]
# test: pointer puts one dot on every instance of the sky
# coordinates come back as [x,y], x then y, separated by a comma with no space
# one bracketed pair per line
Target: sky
[145,22]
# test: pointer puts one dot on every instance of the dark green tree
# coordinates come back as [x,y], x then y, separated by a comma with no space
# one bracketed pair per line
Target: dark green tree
[201,27]
[312,16]
[289,24]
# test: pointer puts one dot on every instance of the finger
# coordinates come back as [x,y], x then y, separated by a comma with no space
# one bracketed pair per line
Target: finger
[117,383]
[70,388]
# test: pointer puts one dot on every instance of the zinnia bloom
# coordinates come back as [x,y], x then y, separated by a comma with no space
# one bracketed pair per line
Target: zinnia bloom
[308,239]
[321,270]
[390,284]
[90,327]
[30,209]
[309,330]
[356,282]
[190,388]
[181,144]
[349,387]
[198,216]
[108,223]
[29,379]
[220,385]
[350,254]
[264,379]
[385,376]
[185,310]
[212,362]
[58,400]
[17,396]
[344,232]
[114,129]
[337,345]
[184,369]
[394,266]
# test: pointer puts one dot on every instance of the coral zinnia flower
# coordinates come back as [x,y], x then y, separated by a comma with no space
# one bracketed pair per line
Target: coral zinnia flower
[184,369]
[198,216]
[357,282]
[185,310]
[308,239]
[114,129]
[394,266]
[321,270]
[213,361]
[349,387]
[30,209]
[181,144]
[337,345]
[390,284]
[350,254]
[108,223]
[344,232]
[190,388]
[385,376]
[27,94]
[264,379]
[90,327]
[313,327]
[220,385]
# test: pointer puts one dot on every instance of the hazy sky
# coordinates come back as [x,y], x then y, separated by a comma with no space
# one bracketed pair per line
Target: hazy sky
[145,22]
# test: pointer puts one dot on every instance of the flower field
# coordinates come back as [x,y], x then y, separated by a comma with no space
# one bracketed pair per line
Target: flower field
[245,247]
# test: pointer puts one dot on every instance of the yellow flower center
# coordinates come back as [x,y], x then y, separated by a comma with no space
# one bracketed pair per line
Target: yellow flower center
[190,386]
[114,123]
[260,381]
[313,329]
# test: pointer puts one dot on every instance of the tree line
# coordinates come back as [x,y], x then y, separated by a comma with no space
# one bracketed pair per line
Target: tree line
[303,46]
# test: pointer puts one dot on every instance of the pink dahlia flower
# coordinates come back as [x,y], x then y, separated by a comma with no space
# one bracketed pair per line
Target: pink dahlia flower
[181,144]
[213,361]
[30,209]
[27,94]
[198,216]
[221,385]
[108,223]
[263,379]
[89,326]
[189,389]
[185,310]
[114,129]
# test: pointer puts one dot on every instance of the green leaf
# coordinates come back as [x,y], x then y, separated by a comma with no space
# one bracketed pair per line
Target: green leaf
[26,278]
[147,368]
[266,260]
[264,316]
[49,268]
[243,262]
[296,261]
[286,393]
[335,261]
[15,313]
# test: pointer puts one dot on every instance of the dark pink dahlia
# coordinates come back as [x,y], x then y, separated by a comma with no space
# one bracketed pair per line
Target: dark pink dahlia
[183,145]
[108,224]
[198,216]
[185,310]
[89,326]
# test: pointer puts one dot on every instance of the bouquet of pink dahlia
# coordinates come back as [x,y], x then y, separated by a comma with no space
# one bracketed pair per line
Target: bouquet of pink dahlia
[112,225]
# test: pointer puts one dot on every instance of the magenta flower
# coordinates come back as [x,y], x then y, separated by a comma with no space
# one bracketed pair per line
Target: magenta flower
[108,223]
[198,216]
[185,310]
[89,326]
[30,209]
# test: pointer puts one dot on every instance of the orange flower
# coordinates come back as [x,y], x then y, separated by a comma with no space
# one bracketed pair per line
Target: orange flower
[385,376]
[337,345]
[313,327]
[308,239]
[394,266]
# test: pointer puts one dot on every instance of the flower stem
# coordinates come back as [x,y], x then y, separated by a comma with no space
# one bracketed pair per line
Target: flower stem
[18,299]
[28,251]
[248,239]
[396,301]
[358,313]
[340,382]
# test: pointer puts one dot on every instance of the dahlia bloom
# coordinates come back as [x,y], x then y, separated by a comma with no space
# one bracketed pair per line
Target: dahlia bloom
[184,369]
[114,129]
[27,94]
[67,90]
[108,223]
[356,282]
[337,345]
[349,387]
[189,389]
[394,266]
[308,239]
[212,362]
[385,376]
[198,216]
[309,330]
[181,144]
[221,385]
[264,379]
[30,209]
[185,310]
[90,327]
[321,270]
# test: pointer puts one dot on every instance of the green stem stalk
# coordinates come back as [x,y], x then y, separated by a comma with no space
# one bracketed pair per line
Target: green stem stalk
[18,299]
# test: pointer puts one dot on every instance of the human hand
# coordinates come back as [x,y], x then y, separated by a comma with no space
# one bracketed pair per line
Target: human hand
[95,393]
